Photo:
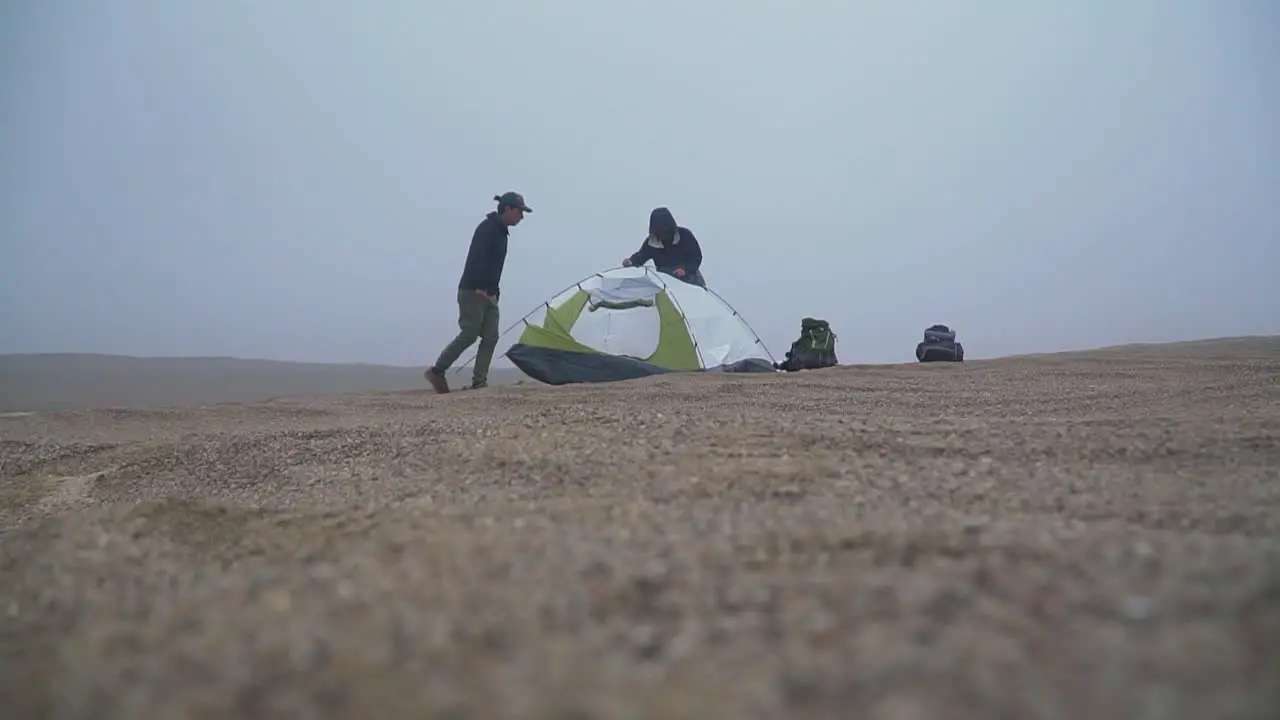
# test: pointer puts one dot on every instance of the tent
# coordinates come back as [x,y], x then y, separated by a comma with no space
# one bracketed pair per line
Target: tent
[631,322]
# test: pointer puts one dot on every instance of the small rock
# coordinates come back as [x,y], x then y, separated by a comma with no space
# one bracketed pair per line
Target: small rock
[279,601]
[646,642]
[345,589]
[1136,607]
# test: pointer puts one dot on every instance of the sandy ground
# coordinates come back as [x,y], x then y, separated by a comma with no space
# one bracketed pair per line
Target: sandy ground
[1084,536]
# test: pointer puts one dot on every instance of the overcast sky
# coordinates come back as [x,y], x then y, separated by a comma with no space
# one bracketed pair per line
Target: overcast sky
[299,179]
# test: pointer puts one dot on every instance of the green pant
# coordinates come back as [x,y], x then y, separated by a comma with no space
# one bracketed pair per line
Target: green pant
[477,318]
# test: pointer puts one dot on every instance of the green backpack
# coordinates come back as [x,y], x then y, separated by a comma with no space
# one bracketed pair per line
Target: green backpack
[815,349]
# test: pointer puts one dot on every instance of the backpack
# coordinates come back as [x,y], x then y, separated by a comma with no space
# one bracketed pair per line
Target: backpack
[939,345]
[815,349]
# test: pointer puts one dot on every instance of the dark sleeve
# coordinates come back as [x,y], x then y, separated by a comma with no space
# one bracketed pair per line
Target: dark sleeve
[643,255]
[496,255]
[691,258]
[482,242]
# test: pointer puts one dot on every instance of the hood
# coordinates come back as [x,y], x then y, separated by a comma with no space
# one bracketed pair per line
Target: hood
[661,222]
[493,216]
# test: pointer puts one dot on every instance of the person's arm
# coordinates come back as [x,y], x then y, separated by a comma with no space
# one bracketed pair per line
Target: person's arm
[691,252]
[487,244]
[643,255]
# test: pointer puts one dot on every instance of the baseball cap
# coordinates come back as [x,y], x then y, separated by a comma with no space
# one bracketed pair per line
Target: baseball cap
[513,199]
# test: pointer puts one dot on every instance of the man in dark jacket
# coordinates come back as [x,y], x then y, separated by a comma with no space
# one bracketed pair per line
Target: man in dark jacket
[478,293]
[673,249]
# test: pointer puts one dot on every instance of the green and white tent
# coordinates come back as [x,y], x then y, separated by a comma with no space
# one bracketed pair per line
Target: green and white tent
[631,322]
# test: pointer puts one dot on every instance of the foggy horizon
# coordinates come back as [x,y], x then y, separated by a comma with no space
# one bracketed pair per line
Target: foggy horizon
[300,182]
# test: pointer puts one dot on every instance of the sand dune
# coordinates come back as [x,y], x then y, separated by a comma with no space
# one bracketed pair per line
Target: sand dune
[1092,535]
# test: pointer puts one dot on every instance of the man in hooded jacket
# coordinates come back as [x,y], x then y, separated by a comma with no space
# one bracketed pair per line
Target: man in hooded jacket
[673,249]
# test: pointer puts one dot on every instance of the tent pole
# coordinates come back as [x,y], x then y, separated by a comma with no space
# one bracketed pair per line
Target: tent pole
[754,334]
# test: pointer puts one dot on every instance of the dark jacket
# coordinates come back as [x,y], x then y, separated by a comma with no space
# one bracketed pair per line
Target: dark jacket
[669,246]
[488,253]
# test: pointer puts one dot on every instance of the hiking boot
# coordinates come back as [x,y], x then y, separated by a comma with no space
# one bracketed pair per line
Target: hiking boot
[477,386]
[436,378]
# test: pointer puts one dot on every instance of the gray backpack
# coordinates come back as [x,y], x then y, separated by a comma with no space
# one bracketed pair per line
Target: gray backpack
[939,345]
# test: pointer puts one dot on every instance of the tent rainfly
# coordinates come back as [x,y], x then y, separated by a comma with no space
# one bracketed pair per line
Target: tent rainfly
[632,322]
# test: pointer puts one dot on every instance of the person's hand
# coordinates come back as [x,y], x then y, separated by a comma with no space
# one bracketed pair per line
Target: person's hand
[679,272]
[626,262]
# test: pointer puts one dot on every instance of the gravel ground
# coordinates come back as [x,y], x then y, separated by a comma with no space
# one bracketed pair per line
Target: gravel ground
[1075,536]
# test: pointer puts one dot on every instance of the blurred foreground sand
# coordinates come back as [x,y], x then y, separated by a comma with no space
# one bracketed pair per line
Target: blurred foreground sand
[1074,536]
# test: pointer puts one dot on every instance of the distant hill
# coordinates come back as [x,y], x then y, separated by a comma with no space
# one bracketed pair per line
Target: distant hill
[1208,349]
[53,382]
